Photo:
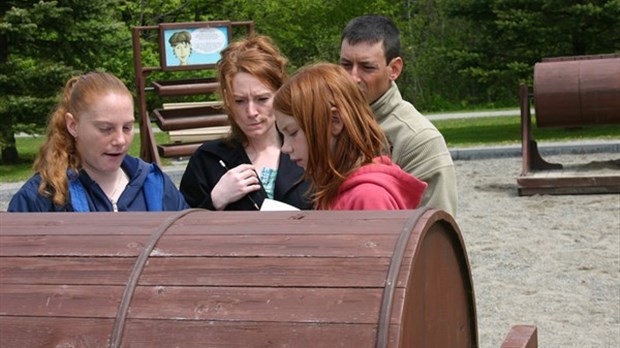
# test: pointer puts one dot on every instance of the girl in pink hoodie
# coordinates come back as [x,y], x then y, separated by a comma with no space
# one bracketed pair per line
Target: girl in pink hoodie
[330,131]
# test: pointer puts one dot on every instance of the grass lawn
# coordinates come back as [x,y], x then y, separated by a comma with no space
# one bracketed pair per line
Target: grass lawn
[465,132]
[505,130]
[28,147]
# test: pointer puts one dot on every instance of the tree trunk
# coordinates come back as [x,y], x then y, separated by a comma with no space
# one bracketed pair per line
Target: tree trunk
[9,153]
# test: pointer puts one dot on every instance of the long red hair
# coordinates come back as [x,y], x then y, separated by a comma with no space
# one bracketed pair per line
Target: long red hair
[309,96]
[58,152]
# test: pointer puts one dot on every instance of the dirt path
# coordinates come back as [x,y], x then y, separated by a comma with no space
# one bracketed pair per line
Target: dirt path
[551,261]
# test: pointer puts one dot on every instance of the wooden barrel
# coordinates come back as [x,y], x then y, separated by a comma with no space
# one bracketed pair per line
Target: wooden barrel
[577,91]
[235,279]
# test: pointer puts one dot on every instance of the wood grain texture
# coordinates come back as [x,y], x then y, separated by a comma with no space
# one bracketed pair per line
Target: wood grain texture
[231,279]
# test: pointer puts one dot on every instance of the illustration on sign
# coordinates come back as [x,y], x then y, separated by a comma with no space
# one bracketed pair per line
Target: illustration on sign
[199,46]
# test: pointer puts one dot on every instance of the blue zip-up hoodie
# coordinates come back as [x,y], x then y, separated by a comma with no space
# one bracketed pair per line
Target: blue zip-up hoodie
[133,198]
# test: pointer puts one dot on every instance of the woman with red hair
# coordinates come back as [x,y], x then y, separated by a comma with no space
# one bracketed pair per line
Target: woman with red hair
[330,131]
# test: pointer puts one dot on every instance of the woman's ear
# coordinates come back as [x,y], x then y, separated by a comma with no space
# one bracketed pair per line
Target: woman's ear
[71,124]
[337,124]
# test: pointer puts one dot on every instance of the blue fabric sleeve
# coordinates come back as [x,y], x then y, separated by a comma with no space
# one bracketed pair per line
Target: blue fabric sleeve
[154,189]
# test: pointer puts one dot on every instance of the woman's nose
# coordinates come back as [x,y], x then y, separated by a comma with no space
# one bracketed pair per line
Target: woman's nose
[252,109]
[119,138]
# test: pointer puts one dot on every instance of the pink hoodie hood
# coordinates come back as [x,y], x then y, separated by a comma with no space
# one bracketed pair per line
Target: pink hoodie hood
[381,185]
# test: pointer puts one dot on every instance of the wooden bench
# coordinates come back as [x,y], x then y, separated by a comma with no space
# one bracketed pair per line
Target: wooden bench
[200,118]
[189,125]
[238,279]
[569,92]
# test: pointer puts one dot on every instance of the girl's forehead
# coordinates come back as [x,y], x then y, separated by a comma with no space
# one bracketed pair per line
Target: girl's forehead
[285,119]
[111,107]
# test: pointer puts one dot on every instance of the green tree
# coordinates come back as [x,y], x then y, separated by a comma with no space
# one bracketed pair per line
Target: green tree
[458,53]
[510,36]
[43,44]
[428,79]
[306,31]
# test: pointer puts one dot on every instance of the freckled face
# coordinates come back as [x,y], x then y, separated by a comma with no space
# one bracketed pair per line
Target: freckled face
[295,144]
[253,105]
[103,133]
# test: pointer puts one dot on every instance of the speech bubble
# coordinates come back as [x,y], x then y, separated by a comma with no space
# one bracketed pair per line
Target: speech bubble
[208,40]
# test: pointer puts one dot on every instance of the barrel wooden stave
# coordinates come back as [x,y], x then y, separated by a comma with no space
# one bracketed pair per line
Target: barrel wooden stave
[86,332]
[217,273]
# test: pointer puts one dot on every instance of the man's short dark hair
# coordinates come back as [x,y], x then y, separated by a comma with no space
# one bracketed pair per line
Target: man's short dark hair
[372,29]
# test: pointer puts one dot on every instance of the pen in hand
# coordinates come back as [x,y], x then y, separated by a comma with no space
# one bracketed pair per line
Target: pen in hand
[248,195]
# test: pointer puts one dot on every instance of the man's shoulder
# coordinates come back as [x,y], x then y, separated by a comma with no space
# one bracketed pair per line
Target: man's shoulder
[392,108]
[405,116]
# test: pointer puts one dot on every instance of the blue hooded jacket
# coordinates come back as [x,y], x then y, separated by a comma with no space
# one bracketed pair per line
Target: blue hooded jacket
[143,177]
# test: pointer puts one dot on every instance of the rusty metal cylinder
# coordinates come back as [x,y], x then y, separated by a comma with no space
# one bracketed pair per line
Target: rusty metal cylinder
[577,91]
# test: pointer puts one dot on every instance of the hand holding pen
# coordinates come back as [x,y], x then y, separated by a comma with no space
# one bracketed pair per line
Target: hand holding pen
[236,183]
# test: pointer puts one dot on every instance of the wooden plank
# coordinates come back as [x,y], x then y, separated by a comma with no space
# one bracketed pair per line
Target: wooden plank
[203,222]
[204,217]
[54,332]
[177,150]
[72,223]
[213,271]
[571,181]
[266,271]
[198,134]
[568,185]
[86,301]
[576,172]
[339,245]
[183,118]
[214,103]
[236,229]
[528,191]
[66,270]
[280,304]
[300,305]
[186,87]
[521,336]
[87,332]
[596,177]
[72,245]
[248,334]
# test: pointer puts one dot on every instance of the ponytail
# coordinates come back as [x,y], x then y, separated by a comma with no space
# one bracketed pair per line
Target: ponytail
[58,152]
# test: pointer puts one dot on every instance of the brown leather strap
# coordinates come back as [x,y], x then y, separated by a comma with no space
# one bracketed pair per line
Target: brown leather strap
[121,316]
[390,282]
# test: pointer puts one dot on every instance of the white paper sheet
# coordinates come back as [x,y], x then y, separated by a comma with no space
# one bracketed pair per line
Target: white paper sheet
[273,205]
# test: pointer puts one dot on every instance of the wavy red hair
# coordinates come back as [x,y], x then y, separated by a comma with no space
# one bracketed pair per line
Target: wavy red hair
[309,96]
[58,152]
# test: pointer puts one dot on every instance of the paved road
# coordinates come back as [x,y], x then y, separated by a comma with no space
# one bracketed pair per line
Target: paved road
[453,115]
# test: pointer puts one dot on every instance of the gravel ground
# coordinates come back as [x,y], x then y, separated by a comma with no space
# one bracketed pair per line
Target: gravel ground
[550,261]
